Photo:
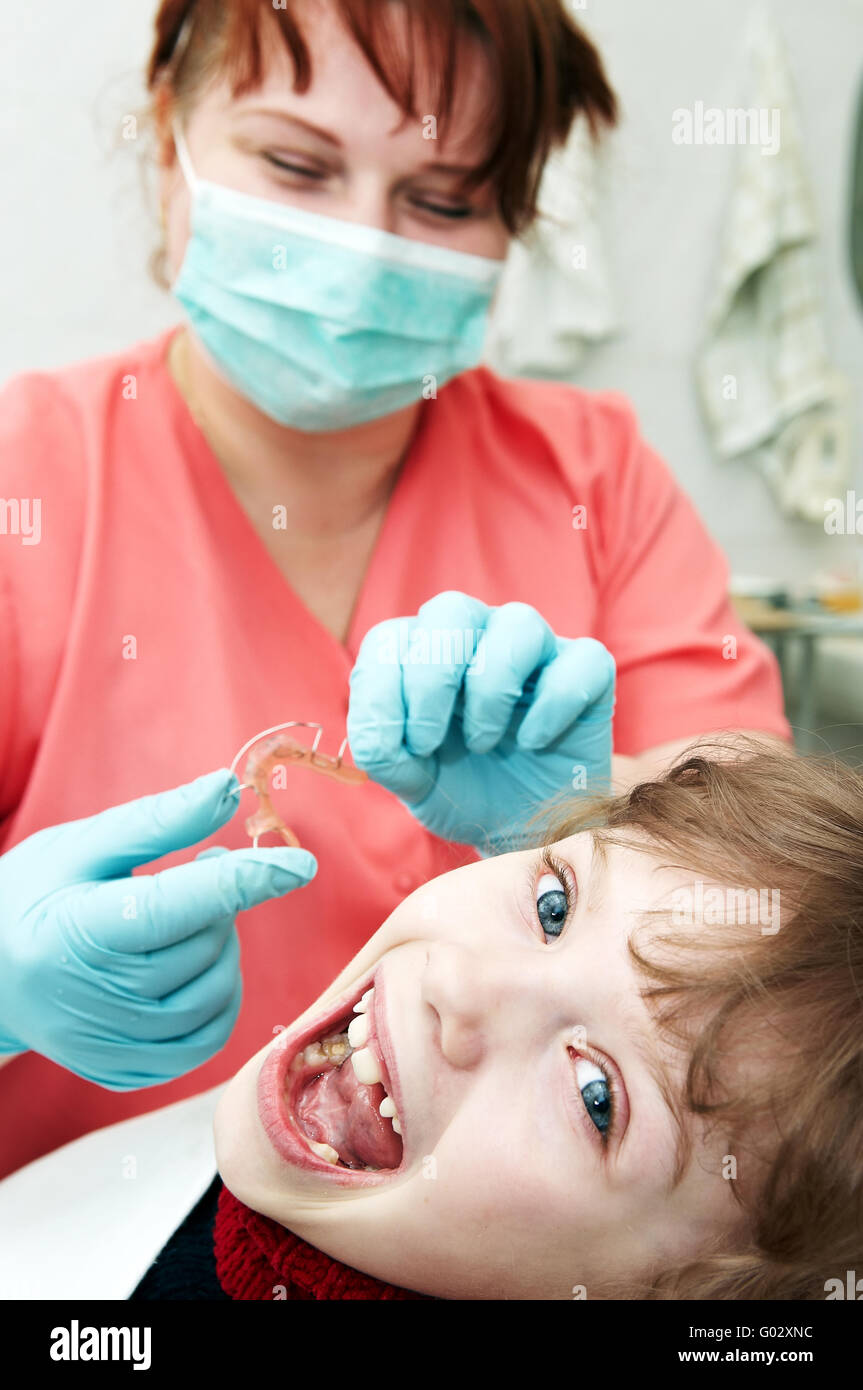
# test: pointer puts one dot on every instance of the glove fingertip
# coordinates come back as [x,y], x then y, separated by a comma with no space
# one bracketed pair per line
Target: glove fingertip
[307,865]
[422,743]
[284,861]
[530,740]
[211,799]
[480,740]
[223,781]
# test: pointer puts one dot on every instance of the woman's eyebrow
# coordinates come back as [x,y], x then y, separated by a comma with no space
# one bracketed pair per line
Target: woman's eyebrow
[435,166]
[431,166]
[279,115]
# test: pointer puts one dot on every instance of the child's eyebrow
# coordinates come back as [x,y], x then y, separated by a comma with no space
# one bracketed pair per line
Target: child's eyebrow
[671,1091]
[597,871]
[645,1039]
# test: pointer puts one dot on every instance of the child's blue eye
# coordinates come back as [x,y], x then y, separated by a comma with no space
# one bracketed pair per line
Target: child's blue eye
[595,1092]
[552,904]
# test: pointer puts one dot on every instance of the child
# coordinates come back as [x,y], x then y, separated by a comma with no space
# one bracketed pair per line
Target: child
[629,1064]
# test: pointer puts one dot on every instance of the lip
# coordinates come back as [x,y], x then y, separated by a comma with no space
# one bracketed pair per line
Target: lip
[274,1111]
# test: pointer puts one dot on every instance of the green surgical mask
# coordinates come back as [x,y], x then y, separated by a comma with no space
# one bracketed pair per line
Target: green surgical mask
[321,323]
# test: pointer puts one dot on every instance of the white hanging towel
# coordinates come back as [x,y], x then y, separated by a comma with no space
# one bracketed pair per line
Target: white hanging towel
[555,295]
[766,385]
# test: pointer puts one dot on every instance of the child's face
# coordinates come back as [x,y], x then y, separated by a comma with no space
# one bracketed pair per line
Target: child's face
[496,1030]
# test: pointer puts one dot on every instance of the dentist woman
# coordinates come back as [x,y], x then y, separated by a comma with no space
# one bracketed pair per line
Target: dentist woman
[228,510]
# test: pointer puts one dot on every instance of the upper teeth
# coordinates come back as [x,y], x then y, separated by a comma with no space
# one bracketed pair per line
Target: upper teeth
[329,1050]
[364,1003]
[387,1108]
[358,1030]
[365,1067]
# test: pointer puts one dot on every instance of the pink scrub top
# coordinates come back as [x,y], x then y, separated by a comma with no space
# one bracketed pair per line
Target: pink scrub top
[148,634]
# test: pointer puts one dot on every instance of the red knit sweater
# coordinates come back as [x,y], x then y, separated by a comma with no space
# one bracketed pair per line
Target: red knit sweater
[256,1258]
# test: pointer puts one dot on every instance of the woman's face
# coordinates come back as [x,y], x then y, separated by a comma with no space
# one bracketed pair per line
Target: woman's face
[503,1020]
[337,149]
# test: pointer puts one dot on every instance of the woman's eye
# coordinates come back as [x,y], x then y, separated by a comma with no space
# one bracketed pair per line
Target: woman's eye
[595,1092]
[302,169]
[552,904]
[443,209]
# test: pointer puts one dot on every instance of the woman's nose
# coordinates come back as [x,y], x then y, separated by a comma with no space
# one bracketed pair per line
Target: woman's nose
[471,998]
[367,201]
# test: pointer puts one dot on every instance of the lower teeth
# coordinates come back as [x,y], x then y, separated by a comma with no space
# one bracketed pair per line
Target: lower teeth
[325,1151]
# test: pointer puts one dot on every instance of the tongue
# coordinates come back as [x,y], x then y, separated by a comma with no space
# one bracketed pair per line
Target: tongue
[338,1109]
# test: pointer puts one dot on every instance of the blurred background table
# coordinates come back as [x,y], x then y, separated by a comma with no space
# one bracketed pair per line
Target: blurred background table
[806,626]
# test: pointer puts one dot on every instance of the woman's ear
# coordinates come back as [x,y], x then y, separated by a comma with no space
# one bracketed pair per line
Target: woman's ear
[164,108]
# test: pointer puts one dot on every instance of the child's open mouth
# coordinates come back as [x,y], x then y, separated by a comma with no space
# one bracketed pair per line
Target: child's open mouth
[326,1099]
[335,1090]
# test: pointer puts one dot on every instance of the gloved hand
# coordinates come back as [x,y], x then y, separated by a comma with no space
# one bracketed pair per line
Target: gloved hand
[125,981]
[473,716]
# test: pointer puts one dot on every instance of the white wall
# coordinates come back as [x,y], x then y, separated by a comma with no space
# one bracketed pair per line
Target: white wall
[75,230]
[665,212]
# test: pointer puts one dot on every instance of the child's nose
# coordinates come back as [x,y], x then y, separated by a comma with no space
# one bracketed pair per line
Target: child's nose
[477,1001]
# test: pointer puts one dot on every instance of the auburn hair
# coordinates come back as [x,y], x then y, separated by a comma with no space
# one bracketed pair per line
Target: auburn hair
[545,70]
[770,1020]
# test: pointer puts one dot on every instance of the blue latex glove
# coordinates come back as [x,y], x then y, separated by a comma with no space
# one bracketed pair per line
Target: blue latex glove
[475,743]
[125,981]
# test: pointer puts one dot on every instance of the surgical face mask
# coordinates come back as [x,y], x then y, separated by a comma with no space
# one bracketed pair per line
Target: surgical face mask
[323,323]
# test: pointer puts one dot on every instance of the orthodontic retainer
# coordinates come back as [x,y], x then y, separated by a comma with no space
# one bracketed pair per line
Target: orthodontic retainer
[281,750]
